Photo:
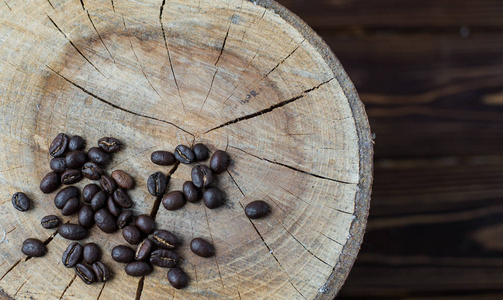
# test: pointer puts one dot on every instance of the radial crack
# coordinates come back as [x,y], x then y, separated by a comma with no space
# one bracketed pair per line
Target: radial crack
[101,290]
[10,269]
[113,6]
[67,286]
[99,36]
[157,203]
[49,1]
[15,294]
[233,180]
[82,4]
[139,289]
[9,6]
[212,242]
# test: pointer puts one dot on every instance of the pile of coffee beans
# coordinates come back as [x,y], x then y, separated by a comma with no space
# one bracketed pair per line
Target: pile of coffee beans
[107,205]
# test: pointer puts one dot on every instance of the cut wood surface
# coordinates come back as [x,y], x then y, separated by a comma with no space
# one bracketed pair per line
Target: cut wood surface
[248,77]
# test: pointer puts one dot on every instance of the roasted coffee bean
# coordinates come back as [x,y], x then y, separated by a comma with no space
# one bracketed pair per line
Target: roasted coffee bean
[72,231]
[99,156]
[201,176]
[156,184]
[99,200]
[65,194]
[76,143]
[201,152]
[108,184]
[138,268]
[33,248]
[58,164]
[72,255]
[163,158]
[20,201]
[123,179]
[122,198]
[165,239]
[101,271]
[71,176]
[50,183]
[105,221]
[85,273]
[76,159]
[191,192]
[256,209]
[213,197]
[124,218]
[145,223]
[91,253]
[219,161]
[58,145]
[202,247]
[86,216]
[89,191]
[164,258]
[144,249]
[123,254]
[110,144]
[50,221]
[132,235]
[174,200]
[113,208]
[71,206]
[184,154]
[92,171]
[178,278]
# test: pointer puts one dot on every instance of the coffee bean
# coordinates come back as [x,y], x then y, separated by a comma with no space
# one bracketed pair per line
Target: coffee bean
[123,254]
[165,239]
[201,152]
[164,258]
[123,179]
[76,143]
[34,248]
[132,235]
[101,271]
[58,164]
[72,231]
[156,184]
[65,194]
[108,184]
[202,247]
[191,192]
[219,161]
[50,221]
[76,159]
[50,183]
[256,209]
[72,255]
[178,278]
[122,198]
[99,200]
[58,145]
[145,223]
[92,171]
[113,208]
[99,156]
[105,221]
[89,191]
[85,273]
[20,201]
[110,144]
[124,218]
[71,176]
[162,158]
[201,176]
[144,249]
[86,216]
[91,253]
[213,197]
[138,268]
[184,154]
[71,206]
[174,200]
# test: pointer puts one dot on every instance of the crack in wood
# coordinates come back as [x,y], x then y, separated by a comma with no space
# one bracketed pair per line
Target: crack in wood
[101,290]
[271,108]
[157,203]
[82,4]
[115,105]
[68,286]
[233,180]
[99,36]
[10,269]
[212,242]
[49,1]
[113,6]
[139,289]
[15,294]
[7,5]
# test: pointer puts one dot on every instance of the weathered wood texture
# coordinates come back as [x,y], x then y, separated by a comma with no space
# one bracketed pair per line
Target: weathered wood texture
[246,76]
[431,76]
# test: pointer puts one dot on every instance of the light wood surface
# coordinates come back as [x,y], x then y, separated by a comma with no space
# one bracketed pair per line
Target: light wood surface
[249,77]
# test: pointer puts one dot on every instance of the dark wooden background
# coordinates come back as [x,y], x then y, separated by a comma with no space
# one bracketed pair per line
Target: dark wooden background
[430,73]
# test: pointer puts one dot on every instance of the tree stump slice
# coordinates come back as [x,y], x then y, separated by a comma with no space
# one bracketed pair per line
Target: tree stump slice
[246,76]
